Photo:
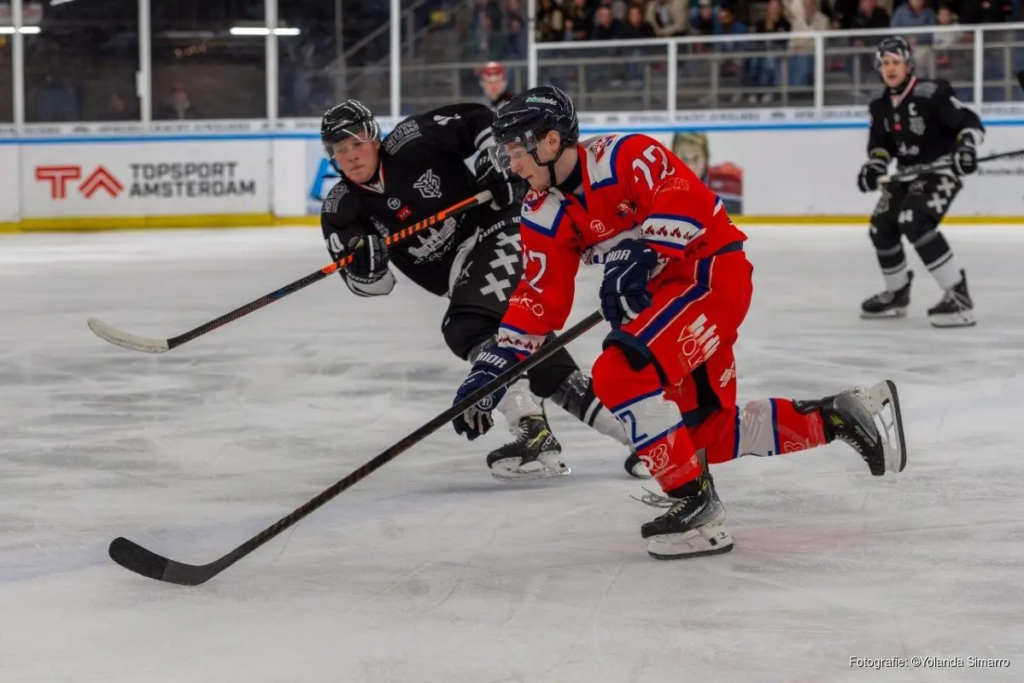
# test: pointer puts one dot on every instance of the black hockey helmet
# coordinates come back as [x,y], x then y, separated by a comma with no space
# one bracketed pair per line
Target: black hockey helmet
[348,119]
[529,117]
[894,45]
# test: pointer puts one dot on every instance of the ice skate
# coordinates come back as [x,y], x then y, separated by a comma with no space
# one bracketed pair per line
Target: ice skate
[534,454]
[888,304]
[693,526]
[956,309]
[869,420]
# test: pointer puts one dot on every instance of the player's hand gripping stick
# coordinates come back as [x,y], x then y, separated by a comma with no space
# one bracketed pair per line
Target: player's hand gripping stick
[134,557]
[134,342]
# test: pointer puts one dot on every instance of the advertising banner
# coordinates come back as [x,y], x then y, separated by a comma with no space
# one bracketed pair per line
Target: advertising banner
[146,179]
[10,197]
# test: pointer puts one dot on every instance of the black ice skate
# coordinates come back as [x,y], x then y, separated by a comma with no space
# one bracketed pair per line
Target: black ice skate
[534,454]
[955,309]
[694,525]
[869,420]
[888,304]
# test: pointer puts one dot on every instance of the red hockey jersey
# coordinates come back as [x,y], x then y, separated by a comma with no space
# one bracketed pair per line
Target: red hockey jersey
[634,188]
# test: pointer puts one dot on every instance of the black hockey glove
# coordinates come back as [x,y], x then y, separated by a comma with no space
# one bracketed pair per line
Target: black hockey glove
[369,257]
[505,191]
[965,155]
[870,172]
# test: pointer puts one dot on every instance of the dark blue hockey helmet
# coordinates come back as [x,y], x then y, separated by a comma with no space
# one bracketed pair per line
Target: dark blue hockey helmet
[894,45]
[529,117]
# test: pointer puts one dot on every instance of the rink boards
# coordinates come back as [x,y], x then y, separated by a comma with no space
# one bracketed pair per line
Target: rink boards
[771,166]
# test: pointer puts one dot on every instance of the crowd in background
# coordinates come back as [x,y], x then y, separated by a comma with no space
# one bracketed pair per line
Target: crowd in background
[82,65]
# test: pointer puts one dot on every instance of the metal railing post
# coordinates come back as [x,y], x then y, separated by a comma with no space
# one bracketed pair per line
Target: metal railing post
[18,65]
[672,74]
[979,66]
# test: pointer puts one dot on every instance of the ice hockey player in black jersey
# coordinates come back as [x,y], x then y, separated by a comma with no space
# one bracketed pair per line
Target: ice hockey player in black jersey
[494,81]
[917,121]
[474,258]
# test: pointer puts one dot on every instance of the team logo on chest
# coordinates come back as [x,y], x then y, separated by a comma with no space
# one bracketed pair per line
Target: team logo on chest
[916,124]
[429,185]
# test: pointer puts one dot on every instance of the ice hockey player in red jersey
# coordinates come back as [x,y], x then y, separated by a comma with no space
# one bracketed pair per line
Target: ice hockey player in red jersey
[676,287]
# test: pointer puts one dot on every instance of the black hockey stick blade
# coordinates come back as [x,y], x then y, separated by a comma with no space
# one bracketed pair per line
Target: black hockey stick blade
[1020,78]
[134,557]
[134,342]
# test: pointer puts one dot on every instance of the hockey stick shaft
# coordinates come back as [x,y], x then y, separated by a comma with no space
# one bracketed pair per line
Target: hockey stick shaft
[912,171]
[135,343]
[135,558]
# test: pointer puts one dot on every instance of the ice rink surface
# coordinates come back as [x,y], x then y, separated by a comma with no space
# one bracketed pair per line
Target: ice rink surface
[430,570]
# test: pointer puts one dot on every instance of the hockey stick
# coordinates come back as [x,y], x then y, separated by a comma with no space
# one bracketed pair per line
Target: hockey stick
[911,171]
[134,342]
[134,557]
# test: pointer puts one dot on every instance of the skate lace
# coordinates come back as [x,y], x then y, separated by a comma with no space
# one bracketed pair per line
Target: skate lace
[657,500]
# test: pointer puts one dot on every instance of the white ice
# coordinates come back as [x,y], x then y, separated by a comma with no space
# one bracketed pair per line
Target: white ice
[431,571]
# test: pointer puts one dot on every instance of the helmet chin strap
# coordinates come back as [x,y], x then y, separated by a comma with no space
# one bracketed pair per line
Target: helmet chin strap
[549,165]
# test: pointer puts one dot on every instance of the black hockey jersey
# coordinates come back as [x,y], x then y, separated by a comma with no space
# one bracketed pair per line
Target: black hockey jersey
[422,171]
[921,125]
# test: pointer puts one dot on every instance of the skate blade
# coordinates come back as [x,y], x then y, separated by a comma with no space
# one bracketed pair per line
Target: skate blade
[546,466]
[892,313]
[713,539]
[514,475]
[960,319]
[884,403]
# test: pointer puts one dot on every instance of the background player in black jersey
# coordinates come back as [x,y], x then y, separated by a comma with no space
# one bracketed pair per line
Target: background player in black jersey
[494,81]
[474,258]
[917,121]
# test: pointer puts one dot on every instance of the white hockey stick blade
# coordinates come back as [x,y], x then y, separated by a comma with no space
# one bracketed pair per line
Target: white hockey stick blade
[125,340]
[884,403]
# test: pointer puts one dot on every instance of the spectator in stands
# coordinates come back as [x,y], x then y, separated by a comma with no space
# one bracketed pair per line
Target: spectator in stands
[727,26]
[945,17]
[484,44]
[668,17]
[486,8]
[914,14]
[180,106]
[635,26]
[704,23]
[801,65]
[870,15]
[763,71]
[579,20]
[606,27]
[550,21]
[987,11]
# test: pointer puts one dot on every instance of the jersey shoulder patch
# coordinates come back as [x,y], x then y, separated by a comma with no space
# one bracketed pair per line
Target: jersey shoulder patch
[927,89]
[602,154]
[403,133]
[542,212]
[333,198]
